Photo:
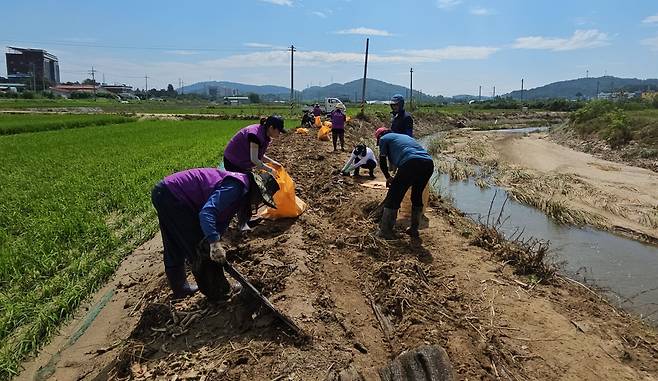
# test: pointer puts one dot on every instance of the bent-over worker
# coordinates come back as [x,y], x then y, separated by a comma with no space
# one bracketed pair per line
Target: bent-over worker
[246,149]
[200,203]
[414,169]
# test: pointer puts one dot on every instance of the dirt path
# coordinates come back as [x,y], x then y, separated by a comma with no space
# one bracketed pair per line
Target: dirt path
[362,300]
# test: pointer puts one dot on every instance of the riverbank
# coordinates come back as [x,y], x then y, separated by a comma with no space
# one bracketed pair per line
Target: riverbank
[362,300]
[571,186]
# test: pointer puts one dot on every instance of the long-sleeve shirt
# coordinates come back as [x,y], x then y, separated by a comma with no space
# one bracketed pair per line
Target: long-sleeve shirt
[403,123]
[216,213]
[357,161]
[338,120]
[398,149]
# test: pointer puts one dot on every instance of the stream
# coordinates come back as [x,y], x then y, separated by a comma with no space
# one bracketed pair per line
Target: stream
[624,269]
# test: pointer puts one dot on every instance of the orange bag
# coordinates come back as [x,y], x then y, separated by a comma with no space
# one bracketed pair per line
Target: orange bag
[318,122]
[323,134]
[302,130]
[287,203]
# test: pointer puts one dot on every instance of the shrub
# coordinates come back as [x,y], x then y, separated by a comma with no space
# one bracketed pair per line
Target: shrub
[618,132]
[27,95]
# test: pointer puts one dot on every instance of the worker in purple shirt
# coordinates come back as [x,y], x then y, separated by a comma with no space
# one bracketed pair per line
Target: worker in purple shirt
[317,111]
[338,126]
[199,204]
[402,122]
[246,149]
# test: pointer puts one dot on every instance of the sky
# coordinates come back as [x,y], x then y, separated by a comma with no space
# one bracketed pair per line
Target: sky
[453,46]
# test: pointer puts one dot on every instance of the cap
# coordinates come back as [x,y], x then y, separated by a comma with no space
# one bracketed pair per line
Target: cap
[267,187]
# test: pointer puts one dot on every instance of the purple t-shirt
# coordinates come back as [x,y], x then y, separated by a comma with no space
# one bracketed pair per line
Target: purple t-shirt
[337,120]
[194,186]
[237,149]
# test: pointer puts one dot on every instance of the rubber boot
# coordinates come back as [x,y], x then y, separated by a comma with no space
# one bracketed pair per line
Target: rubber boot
[416,214]
[387,223]
[178,283]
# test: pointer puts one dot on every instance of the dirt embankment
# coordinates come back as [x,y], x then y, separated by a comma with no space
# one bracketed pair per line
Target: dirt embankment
[362,300]
[570,186]
[633,153]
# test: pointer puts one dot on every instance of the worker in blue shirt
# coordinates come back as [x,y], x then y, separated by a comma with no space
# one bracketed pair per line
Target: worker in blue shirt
[402,122]
[414,169]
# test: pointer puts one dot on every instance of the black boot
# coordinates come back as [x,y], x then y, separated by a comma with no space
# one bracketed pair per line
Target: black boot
[387,223]
[416,214]
[356,172]
[178,282]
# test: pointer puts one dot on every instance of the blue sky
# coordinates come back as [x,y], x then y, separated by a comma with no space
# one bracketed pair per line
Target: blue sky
[454,46]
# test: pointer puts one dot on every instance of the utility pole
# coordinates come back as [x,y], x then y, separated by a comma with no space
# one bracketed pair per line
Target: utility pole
[597,90]
[587,73]
[146,87]
[480,93]
[521,88]
[494,92]
[93,80]
[411,89]
[365,75]
[292,76]
[180,88]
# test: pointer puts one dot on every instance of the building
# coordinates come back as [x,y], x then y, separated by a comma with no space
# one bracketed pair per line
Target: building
[35,67]
[236,100]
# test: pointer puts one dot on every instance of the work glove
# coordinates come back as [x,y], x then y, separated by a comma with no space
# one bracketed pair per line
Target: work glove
[217,252]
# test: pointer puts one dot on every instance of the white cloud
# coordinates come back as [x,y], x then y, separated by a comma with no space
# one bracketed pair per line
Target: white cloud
[320,14]
[481,11]
[651,19]
[365,31]
[447,4]
[183,52]
[652,43]
[279,2]
[581,39]
[448,53]
[258,45]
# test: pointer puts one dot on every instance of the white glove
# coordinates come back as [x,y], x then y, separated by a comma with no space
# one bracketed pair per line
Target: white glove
[217,252]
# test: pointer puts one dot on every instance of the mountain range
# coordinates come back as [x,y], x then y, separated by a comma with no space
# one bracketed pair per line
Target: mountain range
[585,88]
[375,90]
[380,90]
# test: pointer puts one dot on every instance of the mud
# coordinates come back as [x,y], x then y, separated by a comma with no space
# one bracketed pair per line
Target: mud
[362,300]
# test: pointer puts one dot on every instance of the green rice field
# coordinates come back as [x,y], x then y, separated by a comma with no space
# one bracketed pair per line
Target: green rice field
[73,203]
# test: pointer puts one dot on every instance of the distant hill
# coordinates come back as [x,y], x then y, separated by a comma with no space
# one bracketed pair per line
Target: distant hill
[229,88]
[375,90]
[585,87]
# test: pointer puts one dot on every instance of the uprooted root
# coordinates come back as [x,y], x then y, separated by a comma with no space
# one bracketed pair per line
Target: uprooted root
[529,257]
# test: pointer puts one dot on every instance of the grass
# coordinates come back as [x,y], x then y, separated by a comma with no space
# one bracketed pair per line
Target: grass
[73,203]
[19,123]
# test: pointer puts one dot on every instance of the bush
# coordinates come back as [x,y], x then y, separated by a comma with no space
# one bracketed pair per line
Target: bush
[618,132]
[654,102]
[592,110]
[27,95]
[81,95]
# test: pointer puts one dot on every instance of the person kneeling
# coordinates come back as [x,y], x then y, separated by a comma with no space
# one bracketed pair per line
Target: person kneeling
[362,157]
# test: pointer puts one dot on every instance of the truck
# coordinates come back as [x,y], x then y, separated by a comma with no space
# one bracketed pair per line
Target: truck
[329,105]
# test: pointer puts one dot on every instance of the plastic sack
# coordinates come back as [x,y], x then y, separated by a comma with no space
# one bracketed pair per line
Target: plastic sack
[302,131]
[287,203]
[318,122]
[323,133]
[404,215]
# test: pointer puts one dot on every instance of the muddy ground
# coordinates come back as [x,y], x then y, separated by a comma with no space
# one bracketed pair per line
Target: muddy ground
[363,301]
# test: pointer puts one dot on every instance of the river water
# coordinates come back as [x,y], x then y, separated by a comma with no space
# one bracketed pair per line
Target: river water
[625,269]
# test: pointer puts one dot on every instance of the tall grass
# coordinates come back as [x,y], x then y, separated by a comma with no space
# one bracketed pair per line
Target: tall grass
[19,123]
[73,203]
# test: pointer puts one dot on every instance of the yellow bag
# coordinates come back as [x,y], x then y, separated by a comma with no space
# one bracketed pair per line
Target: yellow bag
[318,122]
[302,130]
[404,215]
[287,204]
[323,134]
